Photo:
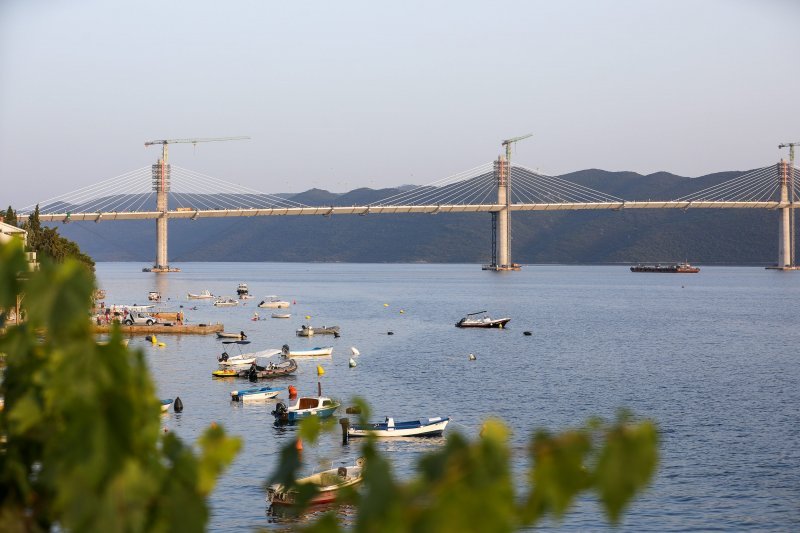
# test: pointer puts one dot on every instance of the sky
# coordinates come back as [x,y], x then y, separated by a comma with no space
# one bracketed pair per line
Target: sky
[348,94]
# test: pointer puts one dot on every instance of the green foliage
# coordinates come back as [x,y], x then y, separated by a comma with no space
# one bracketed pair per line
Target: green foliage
[47,243]
[10,216]
[469,485]
[84,448]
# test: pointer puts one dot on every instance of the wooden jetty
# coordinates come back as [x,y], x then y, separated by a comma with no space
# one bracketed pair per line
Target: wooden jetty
[163,329]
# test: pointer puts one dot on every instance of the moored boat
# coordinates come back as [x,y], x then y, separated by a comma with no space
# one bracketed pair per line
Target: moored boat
[312,352]
[674,268]
[154,296]
[225,302]
[281,315]
[204,295]
[242,290]
[258,393]
[165,404]
[308,331]
[305,407]
[225,335]
[422,427]
[328,483]
[273,302]
[270,370]
[472,320]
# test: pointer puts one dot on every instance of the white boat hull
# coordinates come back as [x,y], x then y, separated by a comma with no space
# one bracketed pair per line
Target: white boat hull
[320,352]
[428,430]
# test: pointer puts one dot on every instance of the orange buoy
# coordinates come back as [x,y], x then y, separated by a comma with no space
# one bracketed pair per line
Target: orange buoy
[292,391]
[298,445]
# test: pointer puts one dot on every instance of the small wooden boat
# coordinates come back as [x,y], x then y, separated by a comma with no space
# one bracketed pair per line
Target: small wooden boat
[225,335]
[328,483]
[165,405]
[473,321]
[271,370]
[305,407]
[225,302]
[258,393]
[313,352]
[281,315]
[423,427]
[308,331]
[273,302]
[204,295]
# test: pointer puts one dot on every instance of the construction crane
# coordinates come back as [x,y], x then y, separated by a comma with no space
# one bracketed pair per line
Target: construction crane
[165,142]
[508,142]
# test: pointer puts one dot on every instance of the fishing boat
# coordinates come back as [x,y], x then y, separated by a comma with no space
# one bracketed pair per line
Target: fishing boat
[674,268]
[225,302]
[281,315]
[472,320]
[242,360]
[165,405]
[154,296]
[309,331]
[270,370]
[313,352]
[422,427]
[273,302]
[224,335]
[204,295]
[258,393]
[305,407]
[242,290]
[327,483]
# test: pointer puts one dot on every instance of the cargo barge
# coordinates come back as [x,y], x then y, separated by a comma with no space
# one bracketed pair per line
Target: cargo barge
[675,268]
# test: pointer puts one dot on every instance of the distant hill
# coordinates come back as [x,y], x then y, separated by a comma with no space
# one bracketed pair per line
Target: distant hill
[736,236]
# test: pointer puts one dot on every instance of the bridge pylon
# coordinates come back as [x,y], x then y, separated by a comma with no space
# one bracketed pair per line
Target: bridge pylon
[501,227]
[161,186]
[786,239]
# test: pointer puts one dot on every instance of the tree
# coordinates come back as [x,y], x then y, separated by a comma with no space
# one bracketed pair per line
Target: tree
[84,450]
[10,216]
[46,242]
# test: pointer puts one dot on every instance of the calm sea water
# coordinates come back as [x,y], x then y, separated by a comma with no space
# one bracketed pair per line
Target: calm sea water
[711,357]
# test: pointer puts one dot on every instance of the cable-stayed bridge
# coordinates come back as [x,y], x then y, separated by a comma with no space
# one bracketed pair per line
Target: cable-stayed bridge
[163,192]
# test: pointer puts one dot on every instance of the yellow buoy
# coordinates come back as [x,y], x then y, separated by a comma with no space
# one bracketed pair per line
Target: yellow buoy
[401,311]
[153,339]
[386,305]
[308,317]
[320,370]
[161,344]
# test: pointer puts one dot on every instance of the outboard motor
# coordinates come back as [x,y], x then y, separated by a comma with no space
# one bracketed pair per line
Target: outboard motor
[252,375]
[285,350]
[222,358]
[280,409]
[241,334]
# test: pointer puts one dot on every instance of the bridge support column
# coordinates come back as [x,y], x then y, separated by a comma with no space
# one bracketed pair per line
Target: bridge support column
[161,182]
[501,241]
[785,240]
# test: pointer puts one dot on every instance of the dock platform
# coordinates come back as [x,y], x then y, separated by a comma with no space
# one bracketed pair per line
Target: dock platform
[164,329]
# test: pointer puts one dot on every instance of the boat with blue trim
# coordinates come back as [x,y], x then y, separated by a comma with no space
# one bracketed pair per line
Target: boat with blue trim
[422,427]
[257,393]
[305,407]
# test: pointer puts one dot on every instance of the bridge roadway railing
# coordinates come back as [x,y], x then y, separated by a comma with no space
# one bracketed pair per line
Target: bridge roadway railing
[399,209]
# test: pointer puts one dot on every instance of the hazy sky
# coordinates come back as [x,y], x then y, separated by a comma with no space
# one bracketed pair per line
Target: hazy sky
[339,95]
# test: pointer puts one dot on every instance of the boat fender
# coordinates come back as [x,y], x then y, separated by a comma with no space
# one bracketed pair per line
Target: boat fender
[527,333]
[177,405]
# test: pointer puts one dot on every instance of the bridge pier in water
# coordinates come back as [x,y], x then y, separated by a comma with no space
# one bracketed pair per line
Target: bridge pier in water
[161,182]
[786,237]
[501,228]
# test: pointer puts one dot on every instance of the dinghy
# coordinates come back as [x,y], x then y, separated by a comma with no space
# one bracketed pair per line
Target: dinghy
[259,393]
[313,352]
[271,370]
[204,295]
[422,427]
[328,483]
[281,315]
[165,405]
[305,407]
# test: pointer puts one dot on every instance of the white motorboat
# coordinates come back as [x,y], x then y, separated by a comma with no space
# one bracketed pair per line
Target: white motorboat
[328,483]
[258,393]
[313,352]
[154,296]
[225,302]
[281,315]
[242,290]
[273,302]
[422,427]
[472,320]
[204,295]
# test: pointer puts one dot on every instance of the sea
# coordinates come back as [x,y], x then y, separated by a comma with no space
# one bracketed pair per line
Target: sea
[712,358]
